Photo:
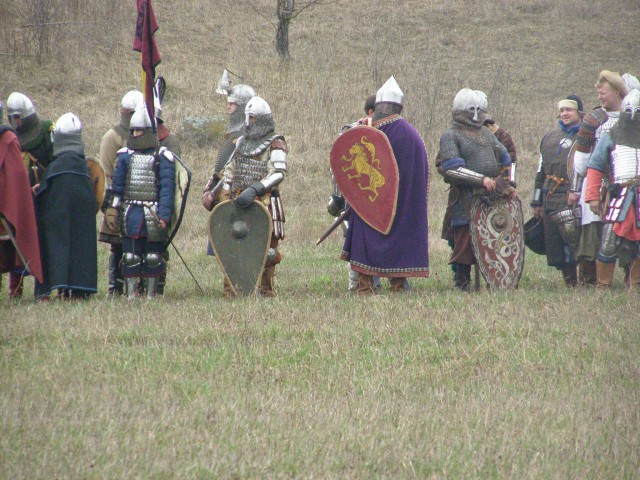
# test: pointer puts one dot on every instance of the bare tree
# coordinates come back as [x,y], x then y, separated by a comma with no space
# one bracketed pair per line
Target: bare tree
[286,11]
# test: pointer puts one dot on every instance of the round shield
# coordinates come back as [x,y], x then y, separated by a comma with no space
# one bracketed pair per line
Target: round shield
[497,238]
[98,180]
[240,238]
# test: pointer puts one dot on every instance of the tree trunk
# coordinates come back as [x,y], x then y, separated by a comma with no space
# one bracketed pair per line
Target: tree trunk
[285,12]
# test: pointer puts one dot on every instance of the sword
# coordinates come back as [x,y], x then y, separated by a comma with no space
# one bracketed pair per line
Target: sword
[7,227]
[149,207]
[334,225]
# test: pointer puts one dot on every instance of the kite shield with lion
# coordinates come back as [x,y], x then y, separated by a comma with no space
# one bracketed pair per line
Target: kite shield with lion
[365,169]
[497,237]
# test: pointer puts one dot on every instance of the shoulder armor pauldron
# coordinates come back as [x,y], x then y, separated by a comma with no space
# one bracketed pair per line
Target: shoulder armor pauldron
[166,153]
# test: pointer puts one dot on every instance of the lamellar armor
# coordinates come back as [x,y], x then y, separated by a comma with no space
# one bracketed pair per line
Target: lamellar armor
[140,189]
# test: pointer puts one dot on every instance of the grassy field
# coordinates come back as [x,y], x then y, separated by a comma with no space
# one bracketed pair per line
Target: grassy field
[542,382]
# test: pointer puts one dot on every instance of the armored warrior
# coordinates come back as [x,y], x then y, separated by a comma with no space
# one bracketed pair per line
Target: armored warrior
[66,209]
[403,251]
[111,143]
[611,89]
[474,163]
[255,171]
[237,99]
[618,152]
[143,199]
[552,184]
[34,135]
[19,247]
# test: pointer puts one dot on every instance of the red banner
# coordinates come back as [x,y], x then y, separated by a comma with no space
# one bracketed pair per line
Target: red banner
[144,42]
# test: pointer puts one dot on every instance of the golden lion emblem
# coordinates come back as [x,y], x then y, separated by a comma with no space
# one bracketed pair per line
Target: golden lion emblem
[363,161]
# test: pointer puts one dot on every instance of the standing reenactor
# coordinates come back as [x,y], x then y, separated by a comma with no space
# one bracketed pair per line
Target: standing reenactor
[34,135]
[618,152]
[111,143]
[66,207]
[256,170]
[143,201]
[237,99]
[19,247]
[552,185]
[475,164]
[611,90]
[397,247]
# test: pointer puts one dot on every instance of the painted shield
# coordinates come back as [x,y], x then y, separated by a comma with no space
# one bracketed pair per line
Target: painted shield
[497,237]
[183,182]
[366,172]
[98,180]
[240,238]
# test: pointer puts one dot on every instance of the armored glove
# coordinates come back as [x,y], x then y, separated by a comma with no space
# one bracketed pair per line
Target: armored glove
[336,205]
[111,217]
[248,195]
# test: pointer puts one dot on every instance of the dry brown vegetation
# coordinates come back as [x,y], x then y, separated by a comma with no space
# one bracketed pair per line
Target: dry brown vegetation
[540,383]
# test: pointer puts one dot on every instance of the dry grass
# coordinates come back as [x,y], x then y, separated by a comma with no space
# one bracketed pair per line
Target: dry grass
[538,383]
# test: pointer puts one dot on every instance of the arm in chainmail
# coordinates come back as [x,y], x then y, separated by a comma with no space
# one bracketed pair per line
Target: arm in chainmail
[225,152]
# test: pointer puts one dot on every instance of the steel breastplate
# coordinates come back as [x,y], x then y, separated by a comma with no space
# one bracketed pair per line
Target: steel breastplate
[249,170]
[479,154]
[140,184]
[625,163]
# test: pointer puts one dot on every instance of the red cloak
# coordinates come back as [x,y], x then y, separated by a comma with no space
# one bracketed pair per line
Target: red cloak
[16,203]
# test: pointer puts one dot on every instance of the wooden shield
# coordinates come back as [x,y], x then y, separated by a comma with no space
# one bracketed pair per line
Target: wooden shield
[98,180]
[183,181]
[497,238]
[240,238]
[366,172]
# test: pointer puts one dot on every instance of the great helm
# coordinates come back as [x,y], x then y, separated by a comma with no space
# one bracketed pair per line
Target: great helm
[390,92]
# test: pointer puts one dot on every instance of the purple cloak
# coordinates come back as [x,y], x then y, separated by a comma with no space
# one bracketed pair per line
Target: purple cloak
[404,252]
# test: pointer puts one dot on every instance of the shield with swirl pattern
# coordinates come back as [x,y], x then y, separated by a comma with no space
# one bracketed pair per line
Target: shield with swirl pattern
[497,237]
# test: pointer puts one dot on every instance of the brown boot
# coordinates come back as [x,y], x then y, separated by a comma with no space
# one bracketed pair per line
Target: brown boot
[634,273]
[604,274]
[15,285]
[365,285]
[267,282]
[587,273]
[570,276]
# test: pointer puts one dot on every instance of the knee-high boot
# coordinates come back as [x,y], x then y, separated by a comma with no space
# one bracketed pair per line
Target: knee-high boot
[604,274]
